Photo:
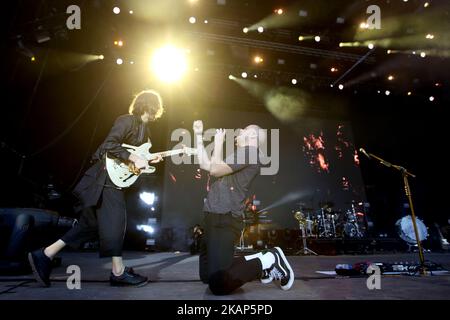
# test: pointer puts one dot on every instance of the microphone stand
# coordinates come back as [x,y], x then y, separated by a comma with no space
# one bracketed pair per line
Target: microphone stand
[405,175]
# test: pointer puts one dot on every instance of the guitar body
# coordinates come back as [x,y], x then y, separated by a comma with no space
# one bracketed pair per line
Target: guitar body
[120,173]
[123,175]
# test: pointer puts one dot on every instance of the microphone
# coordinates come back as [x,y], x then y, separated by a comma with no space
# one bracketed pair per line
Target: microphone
[364,153]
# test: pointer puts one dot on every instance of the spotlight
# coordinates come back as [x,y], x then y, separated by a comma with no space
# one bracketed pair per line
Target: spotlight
[334,69]
[255,76]
[131,11]
[409,93]
[192,20]
[148,197]
[431,98]
[389,51]
[391,77]
[120,43]
[331,85]
[33,58]
[341,87]
[131,62]
[101,57]
[423,54]
[363,25]
[429,36]
[231,77]
[294,81]
[371,46]
[387,92]
[258,59]
[426,4]
[260,29]
[119,61]
[169,63]
[245,30]
[145,228]
[437,84]
[317,38]
[244,75]
[279,11]
[301,38]
[116,10]
[206,21]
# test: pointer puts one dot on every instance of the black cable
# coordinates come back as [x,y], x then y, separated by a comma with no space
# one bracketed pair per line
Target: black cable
[67,130]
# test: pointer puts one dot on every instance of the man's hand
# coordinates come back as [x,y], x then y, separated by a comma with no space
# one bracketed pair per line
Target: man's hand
[139,162]
[198,126]
[156,159]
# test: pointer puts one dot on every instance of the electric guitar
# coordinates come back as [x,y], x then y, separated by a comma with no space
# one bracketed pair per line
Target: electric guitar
[124,174]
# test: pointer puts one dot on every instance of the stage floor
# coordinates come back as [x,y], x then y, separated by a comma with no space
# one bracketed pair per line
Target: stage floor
[174,276]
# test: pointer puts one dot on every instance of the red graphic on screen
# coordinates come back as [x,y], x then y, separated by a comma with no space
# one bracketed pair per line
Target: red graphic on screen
[314,149]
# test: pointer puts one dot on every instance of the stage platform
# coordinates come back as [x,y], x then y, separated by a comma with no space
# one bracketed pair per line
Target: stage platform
[174,276]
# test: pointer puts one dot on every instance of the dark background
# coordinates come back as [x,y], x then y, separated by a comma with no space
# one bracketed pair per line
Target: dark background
[58,109]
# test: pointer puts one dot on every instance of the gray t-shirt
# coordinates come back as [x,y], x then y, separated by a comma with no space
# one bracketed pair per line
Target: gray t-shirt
[228,193]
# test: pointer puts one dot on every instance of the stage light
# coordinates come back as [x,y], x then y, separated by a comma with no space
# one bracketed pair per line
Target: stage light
[192,20]
[169,63]
[206,21]
[33,59]
[429,36]
[279,11]
[387,92]
[331,85]
[116,10]
[317,38]
[231,77]
[120,43]
[101,57]
[131,11]
[437,84]
[431,98]
[245,30]
[370,46]
[148,197]
[258,59]
[119,61]
[301,38]
[294,81]
[426,4]
[131,62]
[244,75]
[145,228]
[409,93]
[333,69]
[260,29]
[341,87]
[389,51]
[390,77]
[255,76]
[363,25]
[423,54]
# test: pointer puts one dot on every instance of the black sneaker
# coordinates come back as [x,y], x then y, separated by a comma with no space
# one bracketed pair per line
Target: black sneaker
[266,277]
[127,278]
[281,269]
[41,266]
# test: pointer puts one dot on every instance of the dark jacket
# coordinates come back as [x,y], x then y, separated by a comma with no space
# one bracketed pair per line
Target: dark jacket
[127,129]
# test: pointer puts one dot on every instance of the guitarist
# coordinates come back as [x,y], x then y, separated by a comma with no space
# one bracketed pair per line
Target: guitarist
[102,204]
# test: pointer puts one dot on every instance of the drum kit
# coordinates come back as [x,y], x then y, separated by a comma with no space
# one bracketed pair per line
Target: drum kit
[329,223]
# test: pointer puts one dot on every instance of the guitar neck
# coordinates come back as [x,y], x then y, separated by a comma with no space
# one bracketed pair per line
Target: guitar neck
[168,153]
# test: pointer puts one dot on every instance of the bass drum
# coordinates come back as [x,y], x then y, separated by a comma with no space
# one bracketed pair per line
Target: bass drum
[350,230]
[405,229]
